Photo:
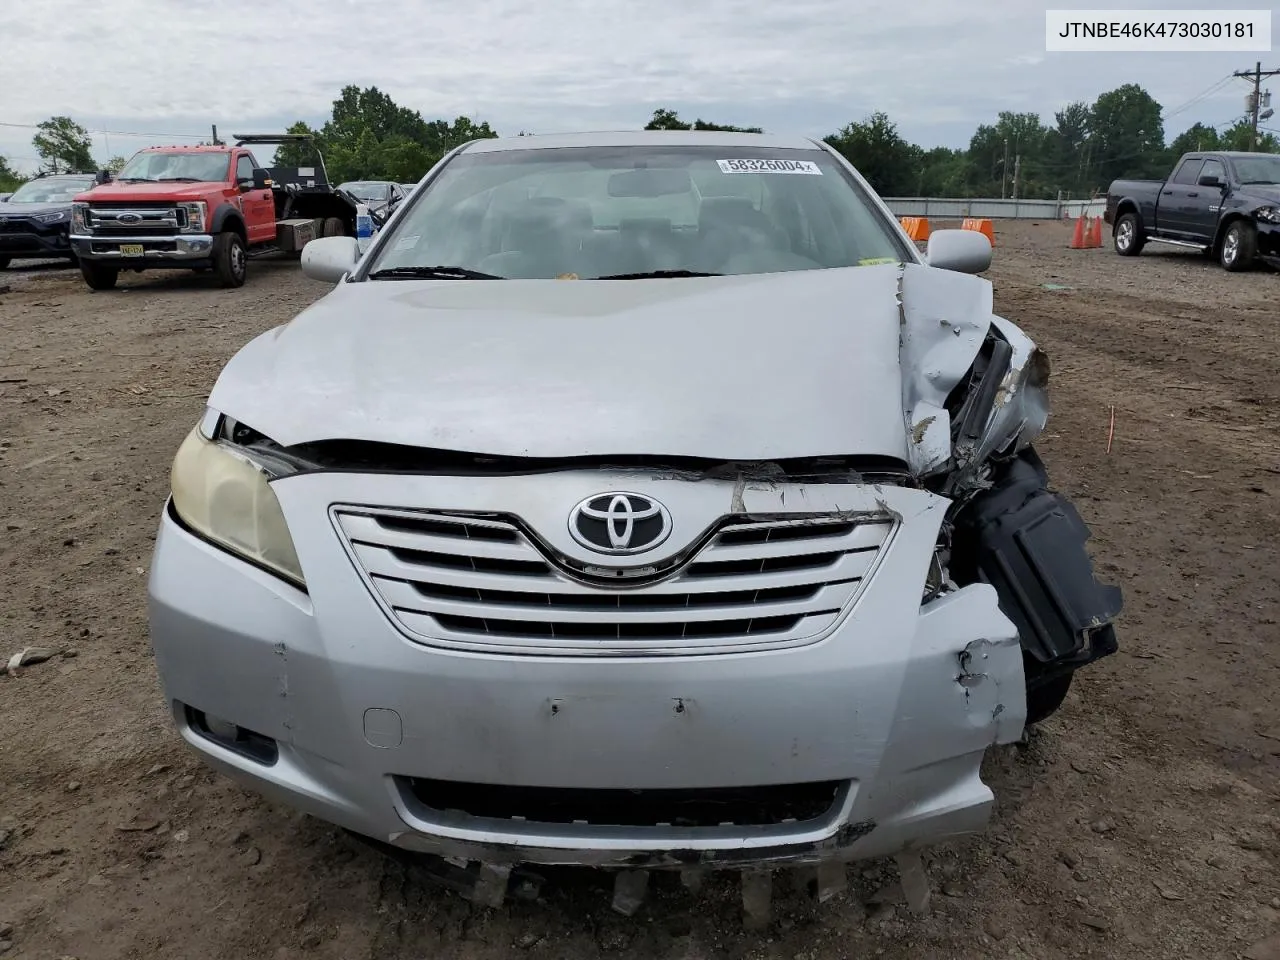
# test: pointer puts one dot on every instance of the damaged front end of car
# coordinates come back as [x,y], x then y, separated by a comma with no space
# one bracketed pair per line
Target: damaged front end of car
[976,397]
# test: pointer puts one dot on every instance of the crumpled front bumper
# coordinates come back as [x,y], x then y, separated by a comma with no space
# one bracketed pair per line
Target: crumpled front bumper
[897,704]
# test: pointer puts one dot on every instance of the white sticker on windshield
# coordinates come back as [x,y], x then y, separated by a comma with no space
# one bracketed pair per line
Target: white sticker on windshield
[405,243]
[770,166]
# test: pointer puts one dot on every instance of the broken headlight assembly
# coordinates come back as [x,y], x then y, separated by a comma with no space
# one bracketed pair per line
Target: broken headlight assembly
[221,492]
[1268,214]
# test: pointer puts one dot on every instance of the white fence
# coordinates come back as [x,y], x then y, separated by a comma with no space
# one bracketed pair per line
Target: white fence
[993,209]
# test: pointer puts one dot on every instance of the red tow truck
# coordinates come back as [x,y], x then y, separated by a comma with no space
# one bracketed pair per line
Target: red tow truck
[209,207]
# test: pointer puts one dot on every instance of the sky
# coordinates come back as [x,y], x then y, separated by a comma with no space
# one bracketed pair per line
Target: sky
[171,68]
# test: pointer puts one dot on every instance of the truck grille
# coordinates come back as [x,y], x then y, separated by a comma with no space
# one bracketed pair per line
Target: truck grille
[479,582]
[135,220]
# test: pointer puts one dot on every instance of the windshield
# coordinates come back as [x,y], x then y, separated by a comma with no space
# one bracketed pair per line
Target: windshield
[201,167]
[618,211]
[51,191]
[366,189]
[1264,168]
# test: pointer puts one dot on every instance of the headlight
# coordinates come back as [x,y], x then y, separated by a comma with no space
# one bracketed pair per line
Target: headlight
[196,215]
[79,218]
[51,217]
[224,496]
[1268,214]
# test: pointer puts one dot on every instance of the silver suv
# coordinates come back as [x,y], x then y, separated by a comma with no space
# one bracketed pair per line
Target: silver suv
[637,500]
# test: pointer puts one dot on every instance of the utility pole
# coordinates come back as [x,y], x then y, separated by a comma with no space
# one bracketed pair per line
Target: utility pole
[1017,171]
[1255,99]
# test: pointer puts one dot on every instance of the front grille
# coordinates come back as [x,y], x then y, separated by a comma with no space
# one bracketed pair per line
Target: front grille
[153,220]
[480,582]
[16,226]
[765,806]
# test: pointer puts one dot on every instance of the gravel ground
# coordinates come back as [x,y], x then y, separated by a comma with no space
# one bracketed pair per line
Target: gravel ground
[1141,821]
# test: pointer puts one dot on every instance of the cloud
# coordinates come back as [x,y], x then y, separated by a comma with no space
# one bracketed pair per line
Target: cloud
[808,66]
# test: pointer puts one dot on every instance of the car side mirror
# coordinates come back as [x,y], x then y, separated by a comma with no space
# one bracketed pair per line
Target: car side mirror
[329,259]
[102,176]
[1209,180]
[261,180]
[964,251]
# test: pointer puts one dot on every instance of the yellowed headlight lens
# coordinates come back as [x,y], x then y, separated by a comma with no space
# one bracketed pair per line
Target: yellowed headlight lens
[226,498]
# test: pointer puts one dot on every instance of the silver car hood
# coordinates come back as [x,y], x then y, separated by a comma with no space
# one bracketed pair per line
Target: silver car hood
[800,364]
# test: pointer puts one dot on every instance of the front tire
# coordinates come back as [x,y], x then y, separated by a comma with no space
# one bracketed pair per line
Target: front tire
[99,276]
[230,259]
[1239,246]
[1127,237]
[1044,700]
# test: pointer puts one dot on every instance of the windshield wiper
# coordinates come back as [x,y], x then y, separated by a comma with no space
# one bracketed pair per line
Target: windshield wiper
[657,274]
[136,180]
[1260,183]
[431,273]
[179,180]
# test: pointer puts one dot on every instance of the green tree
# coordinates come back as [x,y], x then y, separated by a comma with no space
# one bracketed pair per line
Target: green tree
[10,179]
[116,164]
[1239,136]
[889,163]
[664,119]
[1127,135]
[295,154]
[63,145]
[1197,137]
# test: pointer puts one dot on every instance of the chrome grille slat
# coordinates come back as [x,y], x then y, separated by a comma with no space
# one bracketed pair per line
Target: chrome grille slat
[106,220]
[481,583]
[368,530]
[403,596]
[541,578]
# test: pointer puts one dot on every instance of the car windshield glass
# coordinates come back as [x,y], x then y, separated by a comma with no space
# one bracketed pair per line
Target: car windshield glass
[626,211]
[1264,168]
[202,167]
[366,189]
[51,191]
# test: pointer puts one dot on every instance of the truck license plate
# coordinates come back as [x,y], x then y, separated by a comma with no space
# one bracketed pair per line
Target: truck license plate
[131,250]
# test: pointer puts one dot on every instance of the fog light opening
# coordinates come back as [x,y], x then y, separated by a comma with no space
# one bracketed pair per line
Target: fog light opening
[255,746]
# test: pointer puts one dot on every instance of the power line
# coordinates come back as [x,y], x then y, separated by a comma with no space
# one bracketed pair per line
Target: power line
[1219,85]
[116,133]
[1255,98]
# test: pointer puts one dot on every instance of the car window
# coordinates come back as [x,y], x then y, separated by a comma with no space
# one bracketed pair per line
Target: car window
[199,166]
[1261,169]
[1213,168]
[244,167]
[593,212]
[51,191]
[1188,171]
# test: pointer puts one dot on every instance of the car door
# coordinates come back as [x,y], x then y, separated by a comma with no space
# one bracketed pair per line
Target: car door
[258,205]
[1203,210]
[1178,198]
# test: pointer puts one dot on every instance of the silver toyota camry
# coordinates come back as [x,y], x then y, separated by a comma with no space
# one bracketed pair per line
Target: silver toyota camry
[640,500]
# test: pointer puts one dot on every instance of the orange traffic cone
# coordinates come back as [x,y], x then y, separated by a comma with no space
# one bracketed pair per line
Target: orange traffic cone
[1077,237]
[1095,238]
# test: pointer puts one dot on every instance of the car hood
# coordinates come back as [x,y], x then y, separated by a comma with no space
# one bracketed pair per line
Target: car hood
[800,364]
[8,209]
[1260,191]
[119,190]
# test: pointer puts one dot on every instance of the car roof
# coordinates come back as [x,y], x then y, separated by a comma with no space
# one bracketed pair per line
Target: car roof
[64,176]
[191,148]
[642,138]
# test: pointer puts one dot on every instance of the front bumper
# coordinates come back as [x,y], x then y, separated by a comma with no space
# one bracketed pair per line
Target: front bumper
[896,705]
[1268,239]
[184,250]
[22,240]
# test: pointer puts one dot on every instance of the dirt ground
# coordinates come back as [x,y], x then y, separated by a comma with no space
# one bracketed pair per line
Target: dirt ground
[1141,821]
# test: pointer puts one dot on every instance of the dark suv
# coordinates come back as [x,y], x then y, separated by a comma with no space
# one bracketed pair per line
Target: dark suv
[35,222]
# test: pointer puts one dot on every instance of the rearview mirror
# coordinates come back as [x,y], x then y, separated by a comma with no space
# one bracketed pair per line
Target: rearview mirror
[964,251]
[1209,180]
[329,259]
[650,182]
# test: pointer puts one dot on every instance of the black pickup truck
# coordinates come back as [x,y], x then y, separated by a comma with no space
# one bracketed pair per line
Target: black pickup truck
[1226,204]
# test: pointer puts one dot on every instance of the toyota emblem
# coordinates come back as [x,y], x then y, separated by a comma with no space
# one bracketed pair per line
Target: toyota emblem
[619,523]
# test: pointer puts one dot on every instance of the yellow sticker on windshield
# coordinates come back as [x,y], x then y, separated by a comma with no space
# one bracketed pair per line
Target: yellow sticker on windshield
[876,261]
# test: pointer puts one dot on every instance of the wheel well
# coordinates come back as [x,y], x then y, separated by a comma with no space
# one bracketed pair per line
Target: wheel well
[232,221]
[1222,229]
[1126,206]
